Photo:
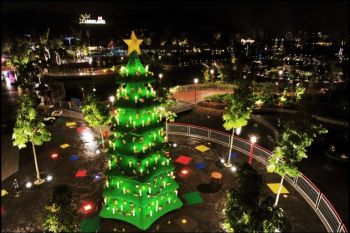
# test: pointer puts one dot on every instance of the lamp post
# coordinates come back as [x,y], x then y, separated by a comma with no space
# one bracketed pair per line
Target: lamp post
[112,98]
[211,73]
[195,90]
[228,163]
[253,140]
[160,77]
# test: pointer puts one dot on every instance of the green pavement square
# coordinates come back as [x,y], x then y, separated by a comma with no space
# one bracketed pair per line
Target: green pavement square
[193,198]
[59,121]
[90,224]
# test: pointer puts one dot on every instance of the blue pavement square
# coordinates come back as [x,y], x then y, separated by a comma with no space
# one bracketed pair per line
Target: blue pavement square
[200,166]
[73,157]
[233,155]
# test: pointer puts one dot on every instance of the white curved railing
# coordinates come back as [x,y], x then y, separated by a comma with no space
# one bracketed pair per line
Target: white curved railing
[316,199]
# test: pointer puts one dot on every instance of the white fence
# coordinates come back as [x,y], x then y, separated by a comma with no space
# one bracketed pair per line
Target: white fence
[316,199]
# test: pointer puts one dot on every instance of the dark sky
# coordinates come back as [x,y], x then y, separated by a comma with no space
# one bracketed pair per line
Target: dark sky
[271,16]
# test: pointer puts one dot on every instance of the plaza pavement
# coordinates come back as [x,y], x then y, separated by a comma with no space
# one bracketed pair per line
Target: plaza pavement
[25,213]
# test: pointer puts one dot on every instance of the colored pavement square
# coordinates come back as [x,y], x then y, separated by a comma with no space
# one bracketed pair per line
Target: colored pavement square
[64,146]
[202,148]
[275,186]
[90,224]
[73,157]
[60,121]
[81,173]
[200,166]
[71,124]
[183,159]
[193,198]
[81,129]
[3,192]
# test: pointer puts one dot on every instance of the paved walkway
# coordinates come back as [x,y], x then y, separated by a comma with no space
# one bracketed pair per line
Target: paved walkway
[25,213]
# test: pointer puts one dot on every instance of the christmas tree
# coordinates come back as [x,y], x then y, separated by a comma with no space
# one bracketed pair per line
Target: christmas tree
[140,185]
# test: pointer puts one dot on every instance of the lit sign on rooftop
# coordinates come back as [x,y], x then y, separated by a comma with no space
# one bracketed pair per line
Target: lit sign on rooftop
[85,19]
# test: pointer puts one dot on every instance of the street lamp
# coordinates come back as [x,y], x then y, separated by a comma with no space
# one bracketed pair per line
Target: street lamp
[195,89]
[160,77]
[228,163]
[211,74]
[253,140]
[112,98]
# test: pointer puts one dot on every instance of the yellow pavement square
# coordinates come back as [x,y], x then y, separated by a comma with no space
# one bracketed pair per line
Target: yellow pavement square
[275,186]
[3,192]
[71,123]
[63,146]
[202,148]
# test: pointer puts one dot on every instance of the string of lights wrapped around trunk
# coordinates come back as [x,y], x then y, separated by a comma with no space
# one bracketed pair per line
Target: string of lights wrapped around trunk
[140,185]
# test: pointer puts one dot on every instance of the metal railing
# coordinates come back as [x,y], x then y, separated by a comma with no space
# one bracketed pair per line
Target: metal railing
[314,197]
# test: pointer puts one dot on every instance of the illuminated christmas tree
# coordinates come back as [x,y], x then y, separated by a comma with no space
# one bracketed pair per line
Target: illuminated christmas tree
[140,185]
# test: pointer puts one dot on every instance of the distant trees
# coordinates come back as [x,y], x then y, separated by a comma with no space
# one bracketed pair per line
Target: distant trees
[249,208]
[29,128]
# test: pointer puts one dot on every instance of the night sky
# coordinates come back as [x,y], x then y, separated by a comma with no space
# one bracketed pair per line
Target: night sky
[273,17]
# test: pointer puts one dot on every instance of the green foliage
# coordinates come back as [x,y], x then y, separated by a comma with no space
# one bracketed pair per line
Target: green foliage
[265,93]
[60,213]
[167,100]
[206,73]
[95,113]
[239,107]
[29,126]
[217,97]
[249,208]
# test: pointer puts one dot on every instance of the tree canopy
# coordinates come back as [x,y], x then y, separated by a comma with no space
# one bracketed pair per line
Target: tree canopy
[239,107]
[95,114]
[249,208]
[29,126]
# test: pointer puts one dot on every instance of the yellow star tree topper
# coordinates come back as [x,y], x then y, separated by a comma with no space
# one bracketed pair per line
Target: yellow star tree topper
[133,44]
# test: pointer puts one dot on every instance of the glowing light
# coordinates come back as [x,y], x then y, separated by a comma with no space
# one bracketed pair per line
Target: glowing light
[184,221]
[87,135]
[98,151]
[54,156]
[233,168]
[253,139]
[111,98]
[29,184]
[174,145]
[85,19]
[195,80]
[87,207]
[49,178]
[238,131]
[184,171]
[222,160]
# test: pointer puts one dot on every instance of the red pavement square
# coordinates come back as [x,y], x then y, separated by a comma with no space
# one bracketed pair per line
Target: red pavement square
[183,159]
[81,129]
[81,173]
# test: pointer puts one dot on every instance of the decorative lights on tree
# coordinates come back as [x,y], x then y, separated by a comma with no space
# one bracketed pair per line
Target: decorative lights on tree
[140,185]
